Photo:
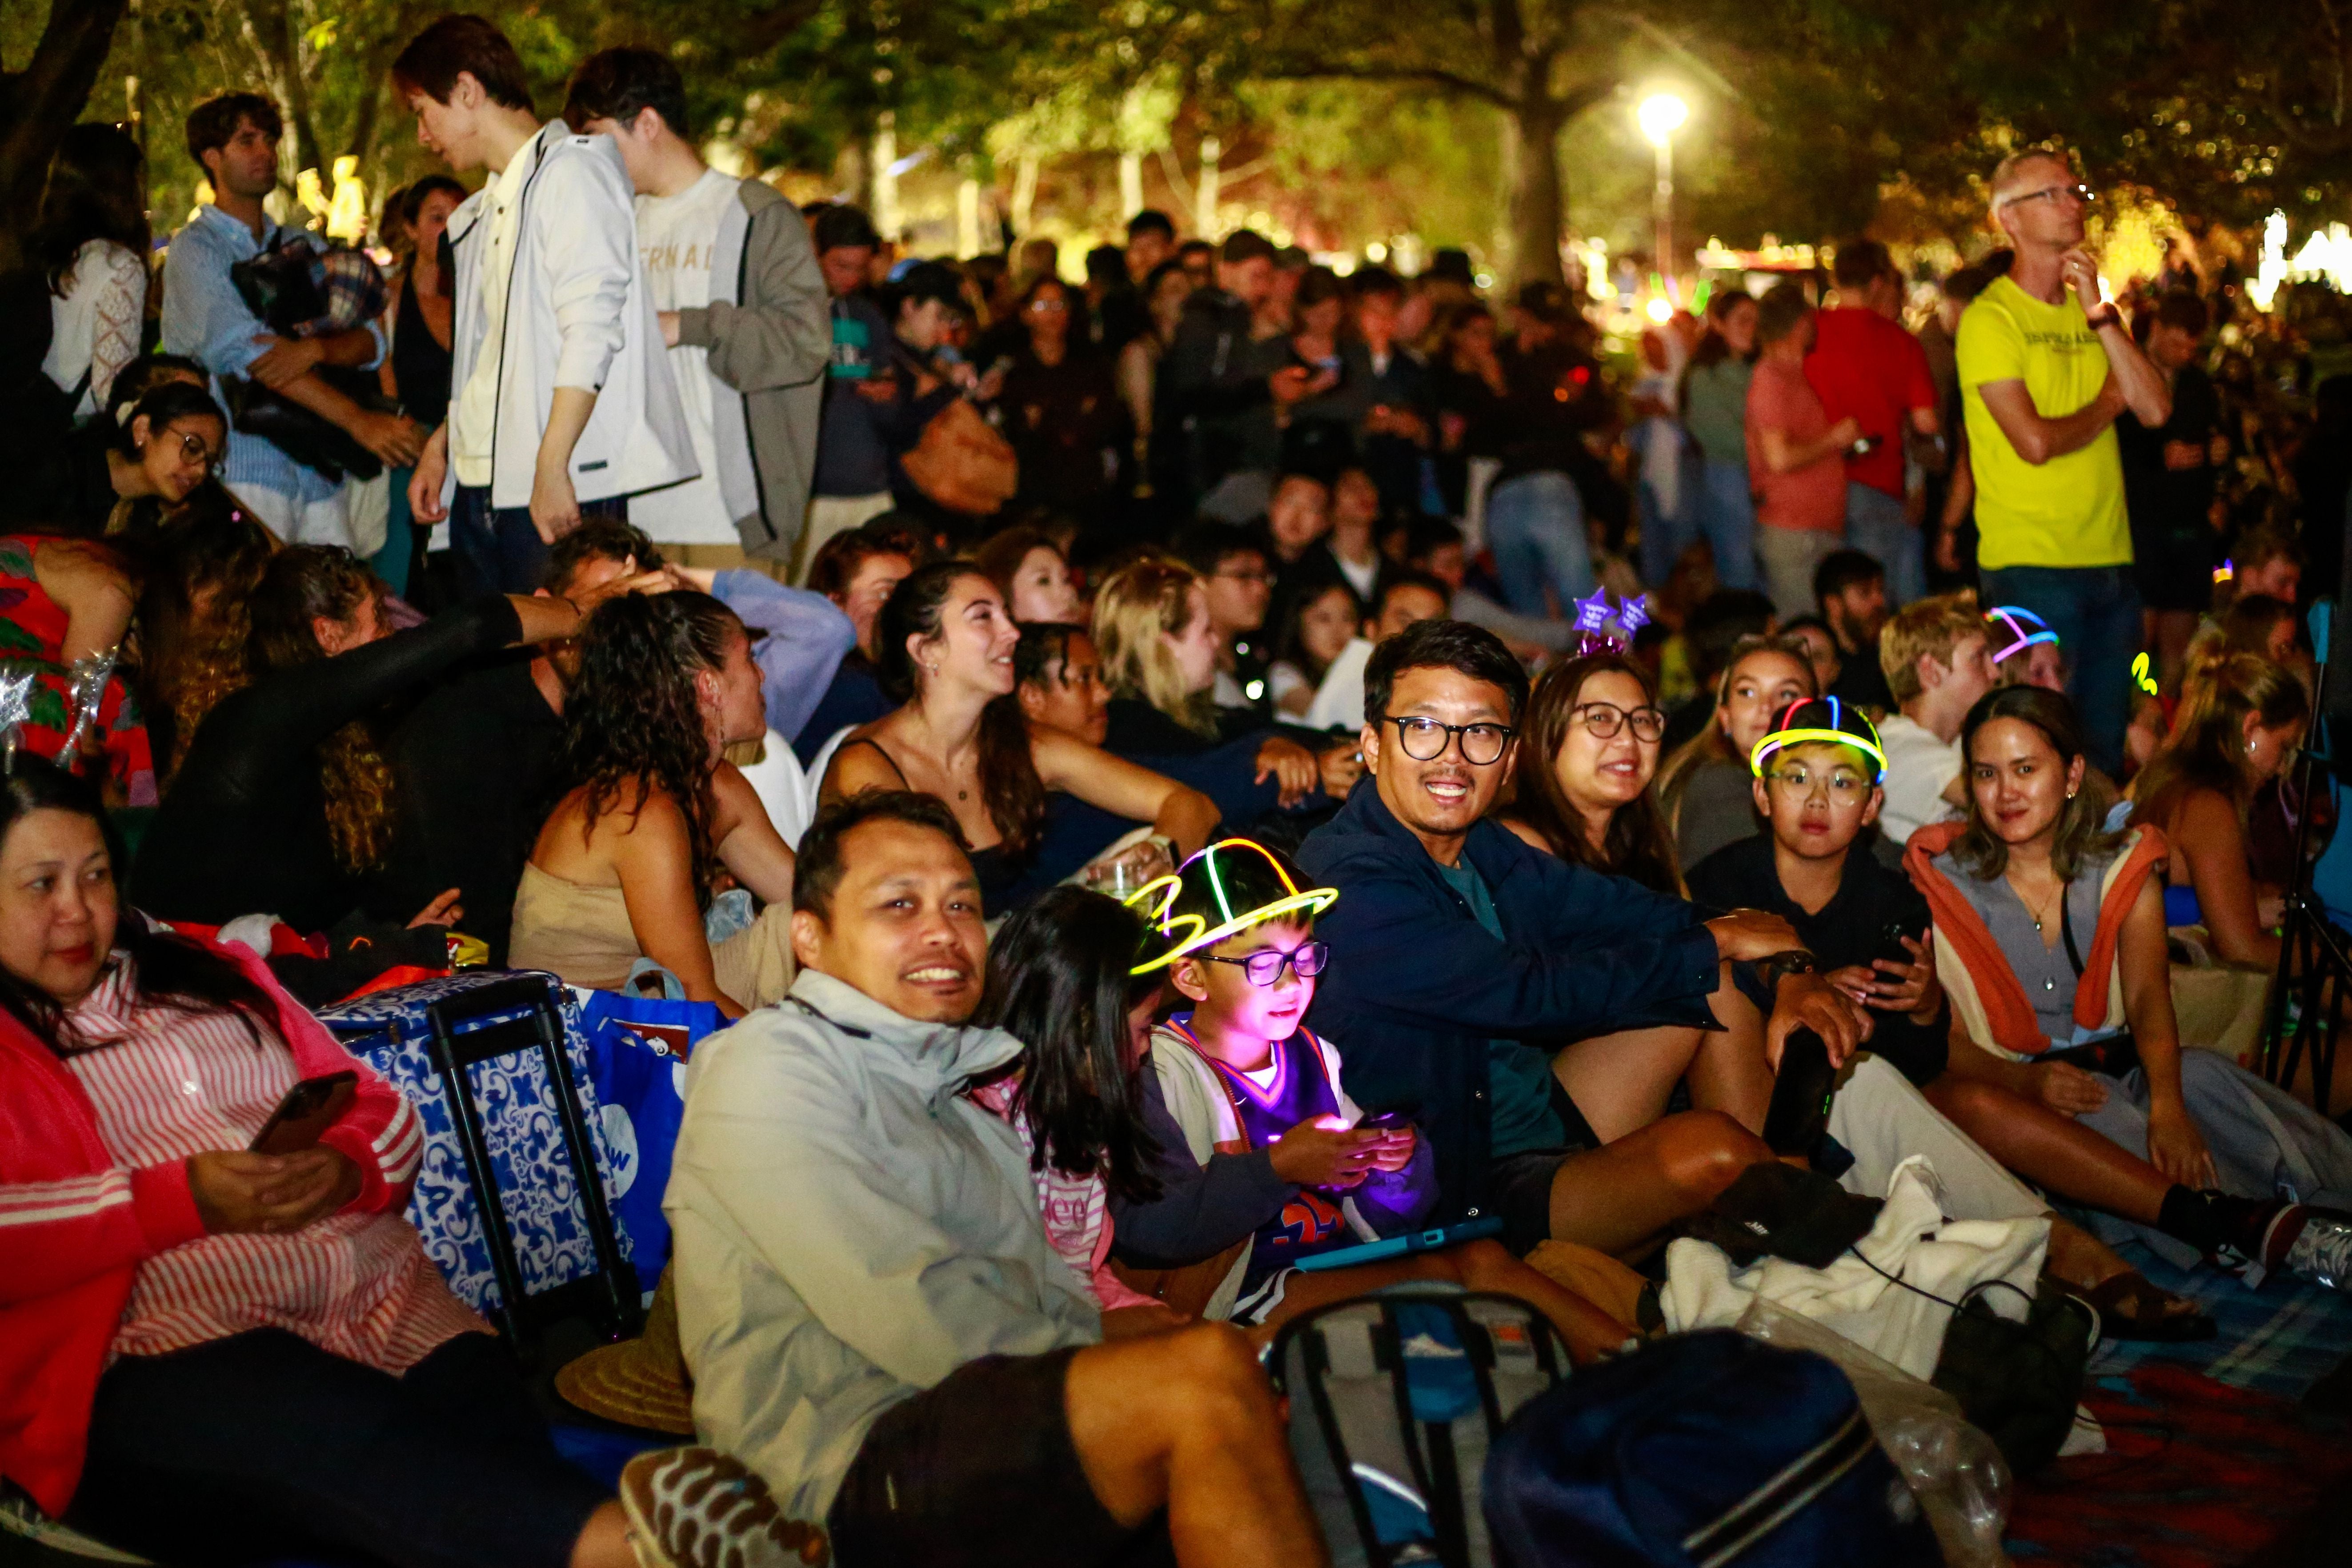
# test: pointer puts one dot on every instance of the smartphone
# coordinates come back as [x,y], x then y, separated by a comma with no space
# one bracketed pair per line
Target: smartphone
[1801,1095]
[1386,1122]
[308,1109]
[1891,942]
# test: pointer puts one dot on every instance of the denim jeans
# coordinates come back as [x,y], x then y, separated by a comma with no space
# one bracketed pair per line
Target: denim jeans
[1535,526]
[1727,515]
[498,551]
[1874,524]
[2094,610]
[1665,534]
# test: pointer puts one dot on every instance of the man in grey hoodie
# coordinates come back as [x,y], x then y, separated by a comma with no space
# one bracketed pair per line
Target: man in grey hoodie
[741,307]
[880,1336]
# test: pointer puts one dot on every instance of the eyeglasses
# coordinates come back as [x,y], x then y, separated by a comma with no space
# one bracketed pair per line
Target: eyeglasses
[1049,306]
[1424,740]
[2083,194]
[1246,575]
[1605,719]
[1306,960]
[1844,787]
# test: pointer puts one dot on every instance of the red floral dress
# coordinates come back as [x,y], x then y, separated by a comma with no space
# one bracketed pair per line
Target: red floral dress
[33,635]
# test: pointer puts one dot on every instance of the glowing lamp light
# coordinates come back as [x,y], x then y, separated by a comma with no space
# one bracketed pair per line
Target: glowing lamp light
[2264,286]
[1661,115]
[1660,309]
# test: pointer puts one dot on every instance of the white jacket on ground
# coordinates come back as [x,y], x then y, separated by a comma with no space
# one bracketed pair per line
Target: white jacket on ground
[849,1229]
[578,315]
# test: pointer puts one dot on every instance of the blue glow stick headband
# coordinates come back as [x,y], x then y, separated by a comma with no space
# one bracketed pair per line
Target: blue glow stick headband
[1863,739]
[2022,624]
[1237,905]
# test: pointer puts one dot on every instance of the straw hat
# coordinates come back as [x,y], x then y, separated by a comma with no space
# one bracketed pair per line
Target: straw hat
[640,1382]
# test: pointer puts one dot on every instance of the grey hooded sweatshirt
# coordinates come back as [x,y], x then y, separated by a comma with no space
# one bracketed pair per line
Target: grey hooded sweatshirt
[850,1228]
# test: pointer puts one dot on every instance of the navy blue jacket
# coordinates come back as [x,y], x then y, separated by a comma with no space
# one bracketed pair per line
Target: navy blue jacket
[1415,987]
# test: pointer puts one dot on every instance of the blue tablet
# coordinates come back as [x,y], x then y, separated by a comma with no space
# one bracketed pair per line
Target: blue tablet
[1405,1246]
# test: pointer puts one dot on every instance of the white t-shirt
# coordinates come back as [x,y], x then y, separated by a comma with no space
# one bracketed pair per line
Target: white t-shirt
[474,407]
[676,235]
[1918,769]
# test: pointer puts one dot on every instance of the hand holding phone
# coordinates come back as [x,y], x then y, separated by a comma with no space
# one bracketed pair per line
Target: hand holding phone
[1801,1095]
[308,1109]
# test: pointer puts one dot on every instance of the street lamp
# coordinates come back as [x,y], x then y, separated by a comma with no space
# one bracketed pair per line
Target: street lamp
[1660,116]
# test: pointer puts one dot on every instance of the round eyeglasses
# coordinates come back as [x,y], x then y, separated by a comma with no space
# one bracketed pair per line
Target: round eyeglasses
[1306,960]
[1605,719]
[1844,787]
[1426,739]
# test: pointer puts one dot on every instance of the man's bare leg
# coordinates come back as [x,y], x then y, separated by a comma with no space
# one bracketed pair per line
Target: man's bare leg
[1475,1266]
[1621,1195]
[1622,1081]
[1187,1422]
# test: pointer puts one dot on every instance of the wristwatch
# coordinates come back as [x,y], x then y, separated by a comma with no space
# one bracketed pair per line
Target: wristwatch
[2107,315]
[1775,967]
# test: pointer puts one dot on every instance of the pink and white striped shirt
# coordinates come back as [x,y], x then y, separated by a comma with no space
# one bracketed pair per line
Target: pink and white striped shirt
[167,1084]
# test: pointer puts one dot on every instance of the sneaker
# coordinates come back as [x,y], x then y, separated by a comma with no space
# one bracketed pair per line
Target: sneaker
[2322,1251]
[697,1508]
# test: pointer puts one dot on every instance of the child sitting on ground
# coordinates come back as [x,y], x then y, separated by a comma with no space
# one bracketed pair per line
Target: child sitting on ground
[1817,784]
[1260,1144]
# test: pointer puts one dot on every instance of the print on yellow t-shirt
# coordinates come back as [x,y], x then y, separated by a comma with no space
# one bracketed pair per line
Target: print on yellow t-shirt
[2068,511]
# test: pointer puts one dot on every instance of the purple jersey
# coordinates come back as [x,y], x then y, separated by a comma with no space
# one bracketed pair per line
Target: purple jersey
[1310,1221]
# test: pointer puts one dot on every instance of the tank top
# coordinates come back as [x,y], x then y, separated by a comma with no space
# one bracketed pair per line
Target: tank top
[33,636]
[1311,1222]
[995,869]
[419,363]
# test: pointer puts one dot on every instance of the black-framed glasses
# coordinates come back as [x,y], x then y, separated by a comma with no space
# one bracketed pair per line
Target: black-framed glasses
[1264,968]
[2083,194]
[1426,739]
[1605,719]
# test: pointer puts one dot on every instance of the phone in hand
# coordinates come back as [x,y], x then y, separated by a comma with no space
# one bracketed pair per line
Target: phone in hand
[1386,1122]
[308,1109]
[1891,941]
[1801,1095]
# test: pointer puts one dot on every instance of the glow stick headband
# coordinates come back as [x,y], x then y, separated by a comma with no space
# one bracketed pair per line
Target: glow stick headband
[1157,899]
[2015,618]
[1834,734]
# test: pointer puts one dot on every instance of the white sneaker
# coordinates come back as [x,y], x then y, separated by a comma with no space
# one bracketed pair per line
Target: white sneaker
[697,1508]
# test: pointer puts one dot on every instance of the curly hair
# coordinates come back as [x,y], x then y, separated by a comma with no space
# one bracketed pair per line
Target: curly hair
[1639,843]
[1009,785]
[196,617]
[298,586]
[633,722]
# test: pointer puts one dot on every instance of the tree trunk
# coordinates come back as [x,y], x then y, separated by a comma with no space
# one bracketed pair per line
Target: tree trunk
[38,102]
[1539,206]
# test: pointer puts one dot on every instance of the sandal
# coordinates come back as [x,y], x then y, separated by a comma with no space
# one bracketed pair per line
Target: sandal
[2129,1307]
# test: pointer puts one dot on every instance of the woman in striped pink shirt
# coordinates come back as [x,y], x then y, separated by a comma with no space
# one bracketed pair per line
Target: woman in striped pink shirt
[209,1355]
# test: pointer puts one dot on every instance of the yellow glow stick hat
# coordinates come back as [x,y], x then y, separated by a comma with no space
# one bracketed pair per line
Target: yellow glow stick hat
[1822,719]
[1232,885]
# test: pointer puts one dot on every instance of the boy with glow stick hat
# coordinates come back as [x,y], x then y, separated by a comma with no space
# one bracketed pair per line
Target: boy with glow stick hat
[1818,774]
[1261,1144]
[2023,650]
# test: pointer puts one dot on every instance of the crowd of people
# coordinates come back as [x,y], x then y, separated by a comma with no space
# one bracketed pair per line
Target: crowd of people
[1163,776]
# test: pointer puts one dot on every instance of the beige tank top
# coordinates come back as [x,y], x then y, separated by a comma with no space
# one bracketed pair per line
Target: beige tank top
[580,933]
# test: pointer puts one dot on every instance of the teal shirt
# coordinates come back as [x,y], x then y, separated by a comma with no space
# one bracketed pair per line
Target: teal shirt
[1715,409]
[1518,1076]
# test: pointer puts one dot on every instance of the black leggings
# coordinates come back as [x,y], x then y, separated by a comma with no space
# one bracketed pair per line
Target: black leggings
[263,1446]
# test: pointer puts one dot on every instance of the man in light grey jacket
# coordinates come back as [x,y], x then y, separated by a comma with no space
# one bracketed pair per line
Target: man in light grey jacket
[560,399]
[880,1336]
[742,306]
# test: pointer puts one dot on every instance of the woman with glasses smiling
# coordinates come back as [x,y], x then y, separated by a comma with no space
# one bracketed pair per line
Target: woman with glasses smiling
[1591,734]
[106,477]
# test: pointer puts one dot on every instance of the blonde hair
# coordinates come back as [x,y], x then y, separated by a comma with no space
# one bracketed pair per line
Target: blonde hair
[1936,627]
[2205,749]
[1138,608]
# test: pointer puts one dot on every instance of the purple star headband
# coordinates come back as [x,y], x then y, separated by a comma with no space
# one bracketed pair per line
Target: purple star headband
[1592,618]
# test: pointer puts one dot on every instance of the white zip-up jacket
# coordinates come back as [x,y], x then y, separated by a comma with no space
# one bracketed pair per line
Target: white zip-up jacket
[578,315]
[850,1227]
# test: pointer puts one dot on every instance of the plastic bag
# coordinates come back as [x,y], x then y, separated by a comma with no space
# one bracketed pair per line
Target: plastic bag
[1954,1469]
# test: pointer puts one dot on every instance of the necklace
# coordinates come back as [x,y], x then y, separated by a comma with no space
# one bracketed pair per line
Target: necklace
[2037,914]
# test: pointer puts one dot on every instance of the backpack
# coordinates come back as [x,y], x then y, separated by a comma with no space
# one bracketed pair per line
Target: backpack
[1701,1450]
[1394,1401]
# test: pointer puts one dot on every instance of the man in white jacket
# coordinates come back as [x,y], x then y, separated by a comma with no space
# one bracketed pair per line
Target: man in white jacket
[561,396]
[881,1338]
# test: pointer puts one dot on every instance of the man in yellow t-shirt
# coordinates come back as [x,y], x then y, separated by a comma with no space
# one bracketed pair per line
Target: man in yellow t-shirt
[2045,367]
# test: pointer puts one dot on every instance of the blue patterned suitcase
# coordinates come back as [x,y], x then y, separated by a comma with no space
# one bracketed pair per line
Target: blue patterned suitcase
[548,1245]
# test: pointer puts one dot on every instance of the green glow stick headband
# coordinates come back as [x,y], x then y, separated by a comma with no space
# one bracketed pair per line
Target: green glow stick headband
[1792,733]
[1244,883]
